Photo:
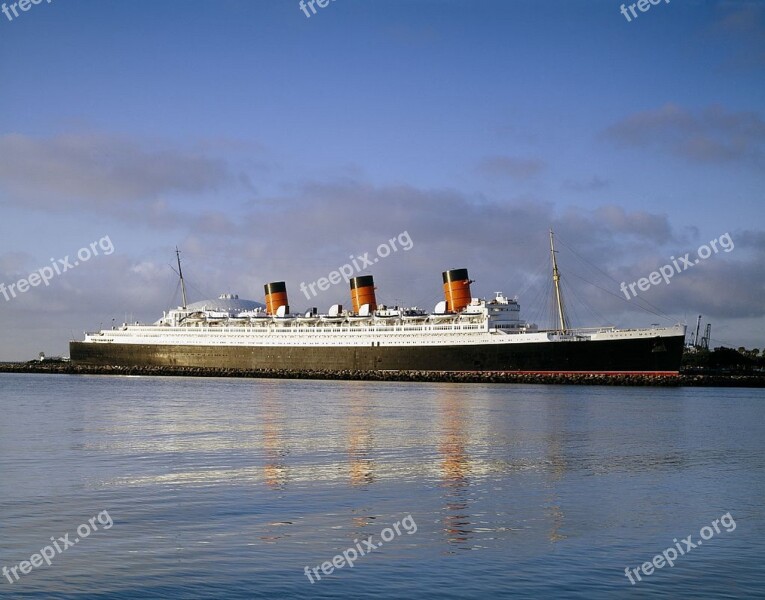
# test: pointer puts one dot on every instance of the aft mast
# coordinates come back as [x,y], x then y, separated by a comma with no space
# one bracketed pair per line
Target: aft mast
[180,274]
[562,325]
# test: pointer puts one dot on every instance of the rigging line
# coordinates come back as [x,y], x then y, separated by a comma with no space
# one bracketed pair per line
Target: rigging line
[571,309]
[540,295]
[537,288]
[175,294]
[535,274]
[599,318]
[570,289]
[541,302]
[594,266]
[202,294]
[639,299]
[549,308]
[658,314]
[532,297]
[580,257]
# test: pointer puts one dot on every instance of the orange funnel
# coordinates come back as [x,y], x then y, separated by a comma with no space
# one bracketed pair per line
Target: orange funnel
[363,292]
[276,296]
[456,289]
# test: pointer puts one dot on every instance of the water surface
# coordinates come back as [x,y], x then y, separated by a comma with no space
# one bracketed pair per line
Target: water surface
[229,488]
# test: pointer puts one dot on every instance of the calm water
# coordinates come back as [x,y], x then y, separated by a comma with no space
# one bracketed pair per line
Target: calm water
[223,488]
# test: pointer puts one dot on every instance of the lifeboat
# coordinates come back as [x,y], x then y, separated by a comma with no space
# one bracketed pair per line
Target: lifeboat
[335,315]
[414,315]
[309,318]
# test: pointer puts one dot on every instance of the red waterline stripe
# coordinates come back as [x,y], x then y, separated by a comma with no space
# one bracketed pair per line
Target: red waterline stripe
[609,373]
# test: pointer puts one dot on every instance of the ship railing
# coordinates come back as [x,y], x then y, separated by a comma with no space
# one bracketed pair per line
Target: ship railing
[584,331]
[611,329]
[590,330]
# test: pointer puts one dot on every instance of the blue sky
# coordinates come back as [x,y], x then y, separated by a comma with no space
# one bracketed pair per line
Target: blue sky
[271,146]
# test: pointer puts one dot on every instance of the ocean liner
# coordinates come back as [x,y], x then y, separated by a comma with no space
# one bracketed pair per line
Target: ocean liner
[462,333]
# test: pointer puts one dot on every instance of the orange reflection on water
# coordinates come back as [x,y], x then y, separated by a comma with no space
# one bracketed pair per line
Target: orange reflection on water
[360,442]
[556,468]
[454,467]
[275,471]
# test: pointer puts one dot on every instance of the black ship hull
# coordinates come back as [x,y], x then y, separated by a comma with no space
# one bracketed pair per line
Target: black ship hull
[658,354]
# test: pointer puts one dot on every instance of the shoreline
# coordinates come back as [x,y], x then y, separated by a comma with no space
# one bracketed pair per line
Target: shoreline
[620,379]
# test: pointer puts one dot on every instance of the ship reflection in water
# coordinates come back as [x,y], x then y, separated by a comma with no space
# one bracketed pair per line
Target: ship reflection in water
[240,484]
[275,470]
[360,443]
[556,469]
[481,467]
[455,467]
[467,480]
[450,431]
[488,464]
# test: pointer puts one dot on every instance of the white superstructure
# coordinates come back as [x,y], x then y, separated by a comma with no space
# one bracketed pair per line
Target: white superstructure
[229,321]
